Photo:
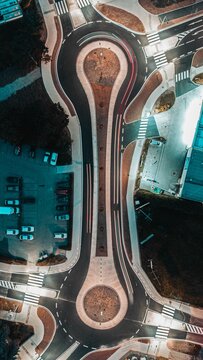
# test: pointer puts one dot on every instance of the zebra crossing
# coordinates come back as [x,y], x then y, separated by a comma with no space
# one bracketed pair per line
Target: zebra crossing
[61,7]
[168,311]
[182,75]
[36,280]
[142,129]
[7,284]
[162,332]
[33,280]
[83,3]
[183,34]
[153,38]
[160,59]
[194,329]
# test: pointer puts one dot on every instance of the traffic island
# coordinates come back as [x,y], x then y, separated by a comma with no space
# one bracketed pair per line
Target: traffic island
[164,102]
[101,304]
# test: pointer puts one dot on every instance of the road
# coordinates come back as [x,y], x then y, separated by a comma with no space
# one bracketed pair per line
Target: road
[68,284]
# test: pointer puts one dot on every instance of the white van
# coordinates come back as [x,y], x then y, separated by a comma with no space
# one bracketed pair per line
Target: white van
[155,142]
[12,232]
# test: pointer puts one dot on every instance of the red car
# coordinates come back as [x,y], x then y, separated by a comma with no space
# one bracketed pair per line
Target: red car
[62,191]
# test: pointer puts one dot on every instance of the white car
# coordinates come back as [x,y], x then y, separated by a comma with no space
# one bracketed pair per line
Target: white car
[26,237]
[12,232]
[46,156]
[27,228]
[60,235]
[54,157]
[62,217]
[12,202]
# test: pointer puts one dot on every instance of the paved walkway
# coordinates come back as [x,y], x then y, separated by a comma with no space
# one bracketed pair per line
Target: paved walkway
[22,82]
[28,316]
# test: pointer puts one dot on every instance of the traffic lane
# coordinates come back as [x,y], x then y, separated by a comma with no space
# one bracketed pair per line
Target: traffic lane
[66,24]
[91,14]
[180,28]
[19,278]
[183,49]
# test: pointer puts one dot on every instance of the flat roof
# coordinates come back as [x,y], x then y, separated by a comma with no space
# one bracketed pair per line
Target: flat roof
[9,10]
[193,185]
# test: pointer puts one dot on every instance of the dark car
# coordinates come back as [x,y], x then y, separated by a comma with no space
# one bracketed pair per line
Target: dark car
[62,191]
[12,188]
[17,150]
[32,153]
[61,207]
[13,179]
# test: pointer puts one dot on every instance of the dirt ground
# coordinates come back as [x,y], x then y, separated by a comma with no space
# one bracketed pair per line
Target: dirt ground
[164,102]
[184,347]
[134,111]
[198,58]
[149,6]
[101,304]
[49,328]
[52,260]
[13,305]
[177,226]
[122,17]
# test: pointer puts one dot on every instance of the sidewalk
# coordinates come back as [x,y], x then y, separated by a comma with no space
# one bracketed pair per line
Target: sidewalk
[28,316]
[22,82]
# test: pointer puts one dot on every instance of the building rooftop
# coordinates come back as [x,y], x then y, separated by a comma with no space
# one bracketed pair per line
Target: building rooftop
[9,10]
[193,184]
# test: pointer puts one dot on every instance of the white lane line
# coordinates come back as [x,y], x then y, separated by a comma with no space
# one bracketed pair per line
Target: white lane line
[115,139]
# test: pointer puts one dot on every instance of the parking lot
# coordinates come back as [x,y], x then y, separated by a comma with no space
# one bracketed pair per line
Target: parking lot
[44,197]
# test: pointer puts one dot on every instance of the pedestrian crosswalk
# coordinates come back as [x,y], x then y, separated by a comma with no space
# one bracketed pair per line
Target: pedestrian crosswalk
[182,75]
[183,34]
[61,7]
[83,3]
[160,59]
[194,329]
[142,129]
[153,38]
[33,280]
[168,311]
[162,332]
[36,280]
[7,284]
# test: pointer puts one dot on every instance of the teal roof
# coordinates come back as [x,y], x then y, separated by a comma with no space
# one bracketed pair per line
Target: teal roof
[193,185]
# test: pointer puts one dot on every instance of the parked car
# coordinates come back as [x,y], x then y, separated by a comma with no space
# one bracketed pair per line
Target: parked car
[61,207]
[62,217]
[62,198]
[17,210]
[26,237]
[62,191]
[54,157]
[46,156]
[43,255]
[32,152]
[60,235]
[12,188]
[12,202]
[12,232]
[27,228]
[155,142]
[17,150]
[13,179]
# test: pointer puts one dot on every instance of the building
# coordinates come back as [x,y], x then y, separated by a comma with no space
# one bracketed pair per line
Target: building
[9,10]
[192,176]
